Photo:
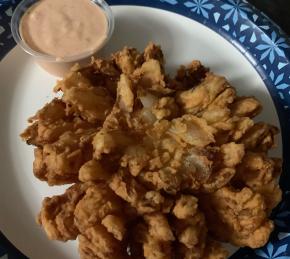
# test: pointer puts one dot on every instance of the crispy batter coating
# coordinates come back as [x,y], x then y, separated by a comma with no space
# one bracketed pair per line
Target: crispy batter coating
[238,216]
[232,154]
[260,137]
[116,225]
[90,103]
[260,173]
[185,207]
[246,107]
[155,249]
[218,113]
[98,202]
[97,243]
[228,157]
[158,227]
[165,108]
[153,201]
[50,122]
[188,76]
[153,51]
[191,231]
[163,168]
[150,76]
[93,170]
[127,187]
[197,99]
[128,59]
[57,213]
[98,73]
[59,162]
[125,95]
[214,250]
[192,130]
[135,158]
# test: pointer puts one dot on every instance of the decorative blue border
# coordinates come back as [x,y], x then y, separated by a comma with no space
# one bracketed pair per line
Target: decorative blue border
[265,46]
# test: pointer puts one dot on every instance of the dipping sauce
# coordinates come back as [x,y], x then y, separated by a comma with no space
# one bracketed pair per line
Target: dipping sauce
[64,28]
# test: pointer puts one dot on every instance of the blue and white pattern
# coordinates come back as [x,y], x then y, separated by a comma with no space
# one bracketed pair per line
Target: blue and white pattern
[268,50]
[273,251]
[200,7]
[272,47]
[234,9]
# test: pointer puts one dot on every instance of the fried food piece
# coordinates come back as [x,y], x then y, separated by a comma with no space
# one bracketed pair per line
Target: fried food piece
[128,59]
[150,76]
[214,250]
[133,192]
[110,141]
[57,213]
[153,51]
[185,207]
[47,124]
[115,225]
[192,130]
[101,67]
[218,179]
[165,108]
[127,187]
[198,98]
[237,216]
[155,249]
[246,107]
[189,227]
[97,243]
[103,73]
[103,143]
[226,160]
[59,162]
[165,179]
[98,202]
[51,112]
[189,253]
[191,231]
[153,201]
[125,95]
[143,245]
[260,173]
[223,100]
[188,76]
[41,132]
[218,114]
[93,170]
[74,78]
[98,73]
[196,168]
[135,158]
[91,103]
[158,227]
[232,154]
[163,166]
[235,128]
[260,137]
[240,127]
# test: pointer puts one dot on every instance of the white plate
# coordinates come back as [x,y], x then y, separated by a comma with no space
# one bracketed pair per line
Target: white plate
[25,88]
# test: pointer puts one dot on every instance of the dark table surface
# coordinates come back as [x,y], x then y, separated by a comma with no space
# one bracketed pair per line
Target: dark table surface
[277,10]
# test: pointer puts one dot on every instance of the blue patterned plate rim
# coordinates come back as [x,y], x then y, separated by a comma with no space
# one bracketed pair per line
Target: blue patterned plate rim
[265,46]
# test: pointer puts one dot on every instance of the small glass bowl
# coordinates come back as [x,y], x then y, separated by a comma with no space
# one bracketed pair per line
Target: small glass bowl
[51,64]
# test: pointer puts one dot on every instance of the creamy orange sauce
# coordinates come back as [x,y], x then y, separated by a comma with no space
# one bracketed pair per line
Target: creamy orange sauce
[64,28]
